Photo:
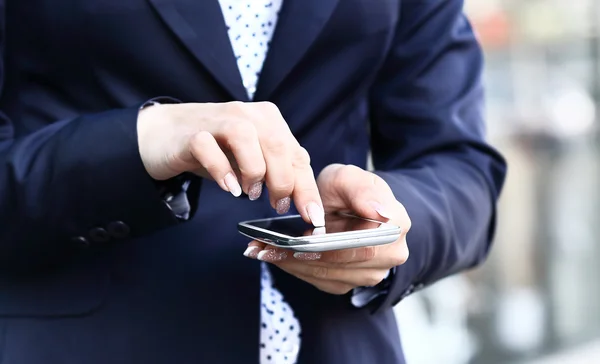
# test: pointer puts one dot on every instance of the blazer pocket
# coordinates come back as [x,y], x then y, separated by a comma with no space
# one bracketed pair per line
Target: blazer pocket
[74,290]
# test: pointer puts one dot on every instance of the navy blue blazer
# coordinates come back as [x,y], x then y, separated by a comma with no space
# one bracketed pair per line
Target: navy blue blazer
[94,268]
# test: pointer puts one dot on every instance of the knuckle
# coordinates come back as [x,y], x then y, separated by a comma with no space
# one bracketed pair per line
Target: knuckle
[346,173]
[400,257]
[254,172]
[320,272]
[200,139]
[341,289]
[374,279]
[335,288]
[351,171]
[379,182]
[275,144]
[301,157]
[369,252]
[407,222]
[284,188]
[268,107]
[330,175]
[405,254]
[240,130]
[337,256]
[306,187]
[305,193]
[235,107]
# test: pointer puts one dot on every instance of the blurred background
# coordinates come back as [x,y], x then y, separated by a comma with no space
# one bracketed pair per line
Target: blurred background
[537,299]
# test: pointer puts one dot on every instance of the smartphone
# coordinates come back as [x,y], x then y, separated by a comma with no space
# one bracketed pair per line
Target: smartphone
[341,231]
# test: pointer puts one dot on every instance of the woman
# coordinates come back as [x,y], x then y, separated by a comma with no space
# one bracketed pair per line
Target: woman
[119,207]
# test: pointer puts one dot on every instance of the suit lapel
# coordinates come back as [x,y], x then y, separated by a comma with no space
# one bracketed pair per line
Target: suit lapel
[300,23]
[200,26]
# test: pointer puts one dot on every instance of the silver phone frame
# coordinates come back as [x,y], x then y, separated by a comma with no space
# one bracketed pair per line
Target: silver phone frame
[323,242]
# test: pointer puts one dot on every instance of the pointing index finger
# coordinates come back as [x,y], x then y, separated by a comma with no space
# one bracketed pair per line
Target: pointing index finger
[306,193]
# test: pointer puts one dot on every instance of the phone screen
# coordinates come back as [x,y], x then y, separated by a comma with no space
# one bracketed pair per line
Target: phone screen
[334,223]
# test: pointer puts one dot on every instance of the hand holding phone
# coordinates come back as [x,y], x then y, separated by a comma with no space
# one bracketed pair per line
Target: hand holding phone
[364,249]
[341,231]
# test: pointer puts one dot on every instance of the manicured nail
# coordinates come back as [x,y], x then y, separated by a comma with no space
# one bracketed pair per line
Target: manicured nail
[232,184]
[380,210]
[252,252]
[271,255]
[307,256]
[255,191]
[283,206]
[316,214]
[319,230]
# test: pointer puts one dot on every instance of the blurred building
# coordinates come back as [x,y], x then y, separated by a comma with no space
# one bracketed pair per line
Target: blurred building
[539,293]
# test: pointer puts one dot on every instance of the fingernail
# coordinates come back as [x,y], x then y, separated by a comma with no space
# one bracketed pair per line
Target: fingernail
[271,255]
[380,209]
[283,206]
[319,230]
[255,191]
[252,252]
[307,256]
[232,184]
[316,214]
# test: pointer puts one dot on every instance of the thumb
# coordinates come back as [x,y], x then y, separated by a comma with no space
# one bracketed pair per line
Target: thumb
[350,188]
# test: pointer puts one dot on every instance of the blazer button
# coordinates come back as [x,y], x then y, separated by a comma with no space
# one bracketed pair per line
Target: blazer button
[80,242]
[118,229]
[99,235]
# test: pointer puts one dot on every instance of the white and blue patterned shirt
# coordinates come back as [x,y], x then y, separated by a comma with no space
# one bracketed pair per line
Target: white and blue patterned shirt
[250,26]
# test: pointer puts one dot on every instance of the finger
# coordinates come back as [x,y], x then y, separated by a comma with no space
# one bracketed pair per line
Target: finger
[241,138]
[208,153]
[253,249]
[354,255]
[276,141]
[331,287]
[362,192]
[353,277]
[384,257]
[280,173]
[267,253]
[306,193]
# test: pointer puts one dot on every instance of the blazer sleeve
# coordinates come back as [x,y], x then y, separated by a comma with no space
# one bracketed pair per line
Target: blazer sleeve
[71,184]
[427,130]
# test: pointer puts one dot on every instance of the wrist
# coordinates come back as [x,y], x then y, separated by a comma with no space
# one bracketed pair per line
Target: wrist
[145,125]
[152,123]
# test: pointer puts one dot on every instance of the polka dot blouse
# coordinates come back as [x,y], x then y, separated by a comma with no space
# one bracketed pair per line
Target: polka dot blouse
[250,26]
